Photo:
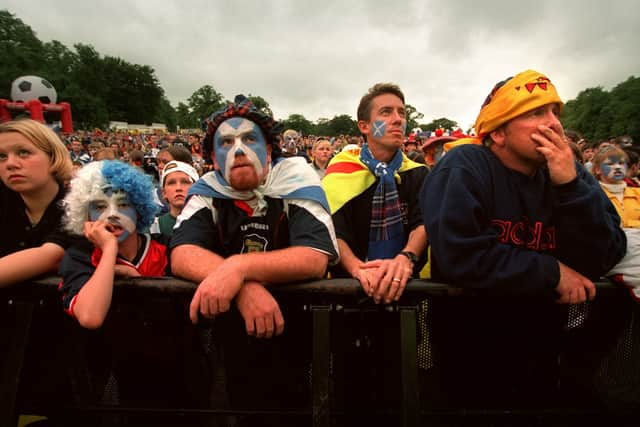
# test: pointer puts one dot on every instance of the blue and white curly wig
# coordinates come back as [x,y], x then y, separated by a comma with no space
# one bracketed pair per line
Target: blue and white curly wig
[93,179]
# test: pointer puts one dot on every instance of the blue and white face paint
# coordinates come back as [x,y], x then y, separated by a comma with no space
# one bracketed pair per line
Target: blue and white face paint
[379,128]
[237,136]
[114,208]
[614,169]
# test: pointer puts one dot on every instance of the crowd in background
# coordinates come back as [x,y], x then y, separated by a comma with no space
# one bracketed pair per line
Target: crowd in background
[146,149]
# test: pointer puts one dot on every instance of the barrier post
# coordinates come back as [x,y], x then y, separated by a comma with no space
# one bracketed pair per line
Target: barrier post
[11,372]
[320,376]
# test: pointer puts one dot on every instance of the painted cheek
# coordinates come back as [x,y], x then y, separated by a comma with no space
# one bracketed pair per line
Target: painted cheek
[221,157]
[260,148]
[379,128]
[130,213]
[94,214]
[606,170]
[404,127]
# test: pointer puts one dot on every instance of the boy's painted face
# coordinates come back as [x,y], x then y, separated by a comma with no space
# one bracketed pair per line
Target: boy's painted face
[613,169]
[240,143]
[114,208]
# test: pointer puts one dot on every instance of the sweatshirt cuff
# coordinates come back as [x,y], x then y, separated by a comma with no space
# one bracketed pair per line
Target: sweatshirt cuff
[551,270]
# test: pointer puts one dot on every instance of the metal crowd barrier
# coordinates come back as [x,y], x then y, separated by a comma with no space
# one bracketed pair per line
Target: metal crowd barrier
[440,356]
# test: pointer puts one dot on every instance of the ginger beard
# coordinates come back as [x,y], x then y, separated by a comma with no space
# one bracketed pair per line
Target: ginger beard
[115,209]
[241,153]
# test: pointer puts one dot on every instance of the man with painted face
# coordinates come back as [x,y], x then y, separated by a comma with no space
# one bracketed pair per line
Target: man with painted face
[256,221]
[243,219]
[290,144]
[511,211]
[372,193]
[110,203]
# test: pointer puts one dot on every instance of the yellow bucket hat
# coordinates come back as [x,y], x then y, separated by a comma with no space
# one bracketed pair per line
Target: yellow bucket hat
[514,96]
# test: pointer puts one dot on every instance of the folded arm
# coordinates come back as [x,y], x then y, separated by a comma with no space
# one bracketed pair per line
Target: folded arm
[25,264]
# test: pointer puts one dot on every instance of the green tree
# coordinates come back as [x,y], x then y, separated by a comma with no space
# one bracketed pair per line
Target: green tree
[585,113]
[203,102]
[133,94]
[442,122]
[341,125]
[260,103]
[184,118]
[88,110]
[57,64]
[322,127]
[412,116]
[625,108]
[166,114]
[21,51]
[299,123]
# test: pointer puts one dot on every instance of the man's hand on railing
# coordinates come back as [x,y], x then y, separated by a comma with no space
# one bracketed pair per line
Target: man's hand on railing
[573,287]
[388,278]
[215,292]
[260,311]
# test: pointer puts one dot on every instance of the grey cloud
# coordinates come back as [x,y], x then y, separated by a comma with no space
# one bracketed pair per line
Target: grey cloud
[318,58]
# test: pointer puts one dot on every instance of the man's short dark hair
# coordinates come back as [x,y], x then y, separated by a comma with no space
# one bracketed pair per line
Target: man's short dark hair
[364,108]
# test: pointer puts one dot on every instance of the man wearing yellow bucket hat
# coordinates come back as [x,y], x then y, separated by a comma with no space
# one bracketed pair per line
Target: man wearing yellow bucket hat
[517,212]
[513,212]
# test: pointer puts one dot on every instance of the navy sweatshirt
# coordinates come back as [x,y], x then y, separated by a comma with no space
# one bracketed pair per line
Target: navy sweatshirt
[493,227]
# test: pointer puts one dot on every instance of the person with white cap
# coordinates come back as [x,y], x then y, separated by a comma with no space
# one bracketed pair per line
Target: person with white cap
[177,178]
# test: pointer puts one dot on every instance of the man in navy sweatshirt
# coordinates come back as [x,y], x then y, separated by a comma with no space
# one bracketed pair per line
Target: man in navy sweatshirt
[513,212]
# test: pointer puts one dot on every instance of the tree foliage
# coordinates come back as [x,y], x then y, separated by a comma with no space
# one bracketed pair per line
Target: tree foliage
[342,124]
[442,122]
[599,114]
[98,89]
[203,102]
[412,116]
[299,123]
[260,103]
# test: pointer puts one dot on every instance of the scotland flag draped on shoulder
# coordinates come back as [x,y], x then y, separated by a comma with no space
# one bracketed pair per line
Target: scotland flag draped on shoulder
[289,178]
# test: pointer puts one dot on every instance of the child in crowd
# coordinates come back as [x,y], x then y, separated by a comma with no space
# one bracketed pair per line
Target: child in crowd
[111,203]
[34,166]
[177,178]
[610,166]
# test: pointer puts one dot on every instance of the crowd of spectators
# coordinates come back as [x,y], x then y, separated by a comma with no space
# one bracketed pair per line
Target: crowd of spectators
[246,176]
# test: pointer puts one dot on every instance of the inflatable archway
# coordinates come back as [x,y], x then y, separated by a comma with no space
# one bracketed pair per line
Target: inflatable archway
[37,109]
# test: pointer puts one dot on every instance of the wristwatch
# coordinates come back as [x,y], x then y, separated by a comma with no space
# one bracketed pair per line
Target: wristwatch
[412,257]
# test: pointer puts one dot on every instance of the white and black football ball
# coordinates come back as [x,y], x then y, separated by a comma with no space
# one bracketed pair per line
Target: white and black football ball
[26,88]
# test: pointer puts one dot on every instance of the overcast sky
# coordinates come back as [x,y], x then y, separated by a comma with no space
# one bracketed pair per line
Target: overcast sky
[318,58]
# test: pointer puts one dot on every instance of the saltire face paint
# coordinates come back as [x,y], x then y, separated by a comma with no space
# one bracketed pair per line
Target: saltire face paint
[114,208]
[237,136]
[614,168]
[379,128]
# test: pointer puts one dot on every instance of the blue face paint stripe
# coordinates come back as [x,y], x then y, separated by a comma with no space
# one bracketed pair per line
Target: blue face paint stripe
[614,168]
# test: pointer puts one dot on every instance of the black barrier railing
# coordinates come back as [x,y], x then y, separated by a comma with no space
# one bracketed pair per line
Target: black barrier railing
[440,356]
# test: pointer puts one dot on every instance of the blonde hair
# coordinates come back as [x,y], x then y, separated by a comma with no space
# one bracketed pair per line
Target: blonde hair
[46,141]
[319,141]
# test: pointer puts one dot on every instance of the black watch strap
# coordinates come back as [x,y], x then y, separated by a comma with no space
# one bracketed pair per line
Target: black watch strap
[412,257]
